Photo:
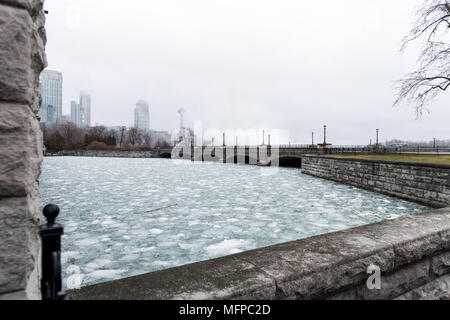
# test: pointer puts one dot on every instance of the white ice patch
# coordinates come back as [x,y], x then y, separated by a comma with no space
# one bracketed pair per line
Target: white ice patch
[225,247]
[97,264]
[156,231]
[85,242]
[105,274]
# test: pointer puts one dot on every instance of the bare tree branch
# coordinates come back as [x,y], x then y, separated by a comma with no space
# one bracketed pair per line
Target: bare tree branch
[433,74]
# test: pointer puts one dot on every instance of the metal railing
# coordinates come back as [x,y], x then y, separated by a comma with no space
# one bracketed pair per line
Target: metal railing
[387,150]
[51,232]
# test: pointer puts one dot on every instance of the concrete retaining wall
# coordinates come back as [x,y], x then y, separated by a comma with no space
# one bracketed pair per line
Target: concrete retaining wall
[413,254]
[428,184]
[22,58]
[108,154]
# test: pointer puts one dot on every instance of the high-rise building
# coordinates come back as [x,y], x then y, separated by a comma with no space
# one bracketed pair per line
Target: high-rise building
[142,116]
[50,85]
[80,113]
[75,115]
[85,109]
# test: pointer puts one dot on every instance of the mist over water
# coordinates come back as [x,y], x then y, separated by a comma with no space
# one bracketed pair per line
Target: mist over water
[221,209]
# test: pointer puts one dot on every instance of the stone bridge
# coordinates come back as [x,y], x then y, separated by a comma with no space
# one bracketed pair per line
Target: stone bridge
[283,156]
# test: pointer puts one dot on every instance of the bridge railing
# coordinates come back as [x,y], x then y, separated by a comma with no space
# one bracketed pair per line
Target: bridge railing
[386,150]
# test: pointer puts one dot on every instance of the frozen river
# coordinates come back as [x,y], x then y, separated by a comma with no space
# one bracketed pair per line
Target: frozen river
[220,209]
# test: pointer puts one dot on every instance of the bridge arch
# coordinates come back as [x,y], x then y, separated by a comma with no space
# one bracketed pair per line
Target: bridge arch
[290,161]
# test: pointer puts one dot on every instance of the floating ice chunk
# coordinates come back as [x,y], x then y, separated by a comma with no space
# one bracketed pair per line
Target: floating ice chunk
[130,257]
[97,264]
[161,263]
[107,222]
[66,255]
[167,244]
[142,249]
[186,246]
[156,231]
[225,247]
[105,274]
[85,242]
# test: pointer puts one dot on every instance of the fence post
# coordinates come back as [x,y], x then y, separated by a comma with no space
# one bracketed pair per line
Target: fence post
[51,232]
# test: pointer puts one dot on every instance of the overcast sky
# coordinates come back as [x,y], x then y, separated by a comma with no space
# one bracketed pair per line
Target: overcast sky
[292,65]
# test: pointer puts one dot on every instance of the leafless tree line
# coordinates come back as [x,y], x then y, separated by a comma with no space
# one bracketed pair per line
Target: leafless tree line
[68,136]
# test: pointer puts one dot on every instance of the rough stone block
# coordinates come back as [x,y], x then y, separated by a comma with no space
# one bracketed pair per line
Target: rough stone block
[17,80]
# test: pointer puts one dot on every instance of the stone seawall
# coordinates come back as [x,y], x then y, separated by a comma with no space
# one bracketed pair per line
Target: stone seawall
[108,154]
[22,58]
[428,184]
[412,254]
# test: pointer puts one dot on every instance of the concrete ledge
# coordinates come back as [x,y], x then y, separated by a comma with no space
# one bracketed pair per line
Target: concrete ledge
[411,252]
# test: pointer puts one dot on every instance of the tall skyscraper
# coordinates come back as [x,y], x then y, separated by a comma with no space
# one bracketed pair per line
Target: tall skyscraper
[75,115]
[80,113]
[142,116]
[50,85]
[85,106]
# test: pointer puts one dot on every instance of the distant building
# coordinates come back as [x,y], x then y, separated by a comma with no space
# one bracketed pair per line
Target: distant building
[50,86]
[47,114]
[85,106]
[160,137]
[142,116]
[65,118]
[75,114]
[80,113]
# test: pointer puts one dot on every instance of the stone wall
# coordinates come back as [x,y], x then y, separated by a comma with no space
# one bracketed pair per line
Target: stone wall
[22,58]
[428,184]
[413,254]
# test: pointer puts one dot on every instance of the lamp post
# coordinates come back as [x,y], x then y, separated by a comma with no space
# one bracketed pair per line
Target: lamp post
[378,132]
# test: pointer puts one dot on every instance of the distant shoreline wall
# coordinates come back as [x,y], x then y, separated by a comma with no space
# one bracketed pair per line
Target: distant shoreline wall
[425,183]
[105,154]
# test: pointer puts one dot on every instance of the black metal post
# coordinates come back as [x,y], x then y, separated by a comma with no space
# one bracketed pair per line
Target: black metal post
[51,232]
[378,132]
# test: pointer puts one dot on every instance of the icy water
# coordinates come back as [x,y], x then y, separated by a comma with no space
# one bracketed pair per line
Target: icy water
[221,209]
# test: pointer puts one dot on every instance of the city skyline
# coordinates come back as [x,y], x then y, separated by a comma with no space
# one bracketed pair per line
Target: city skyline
[242,72]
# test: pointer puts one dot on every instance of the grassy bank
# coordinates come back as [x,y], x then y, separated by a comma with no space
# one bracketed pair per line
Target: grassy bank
[424,158]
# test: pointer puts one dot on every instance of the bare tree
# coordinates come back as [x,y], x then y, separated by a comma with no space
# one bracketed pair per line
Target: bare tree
[122,136]
[72,135]
[147,139]
[433,73]
[134,136]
